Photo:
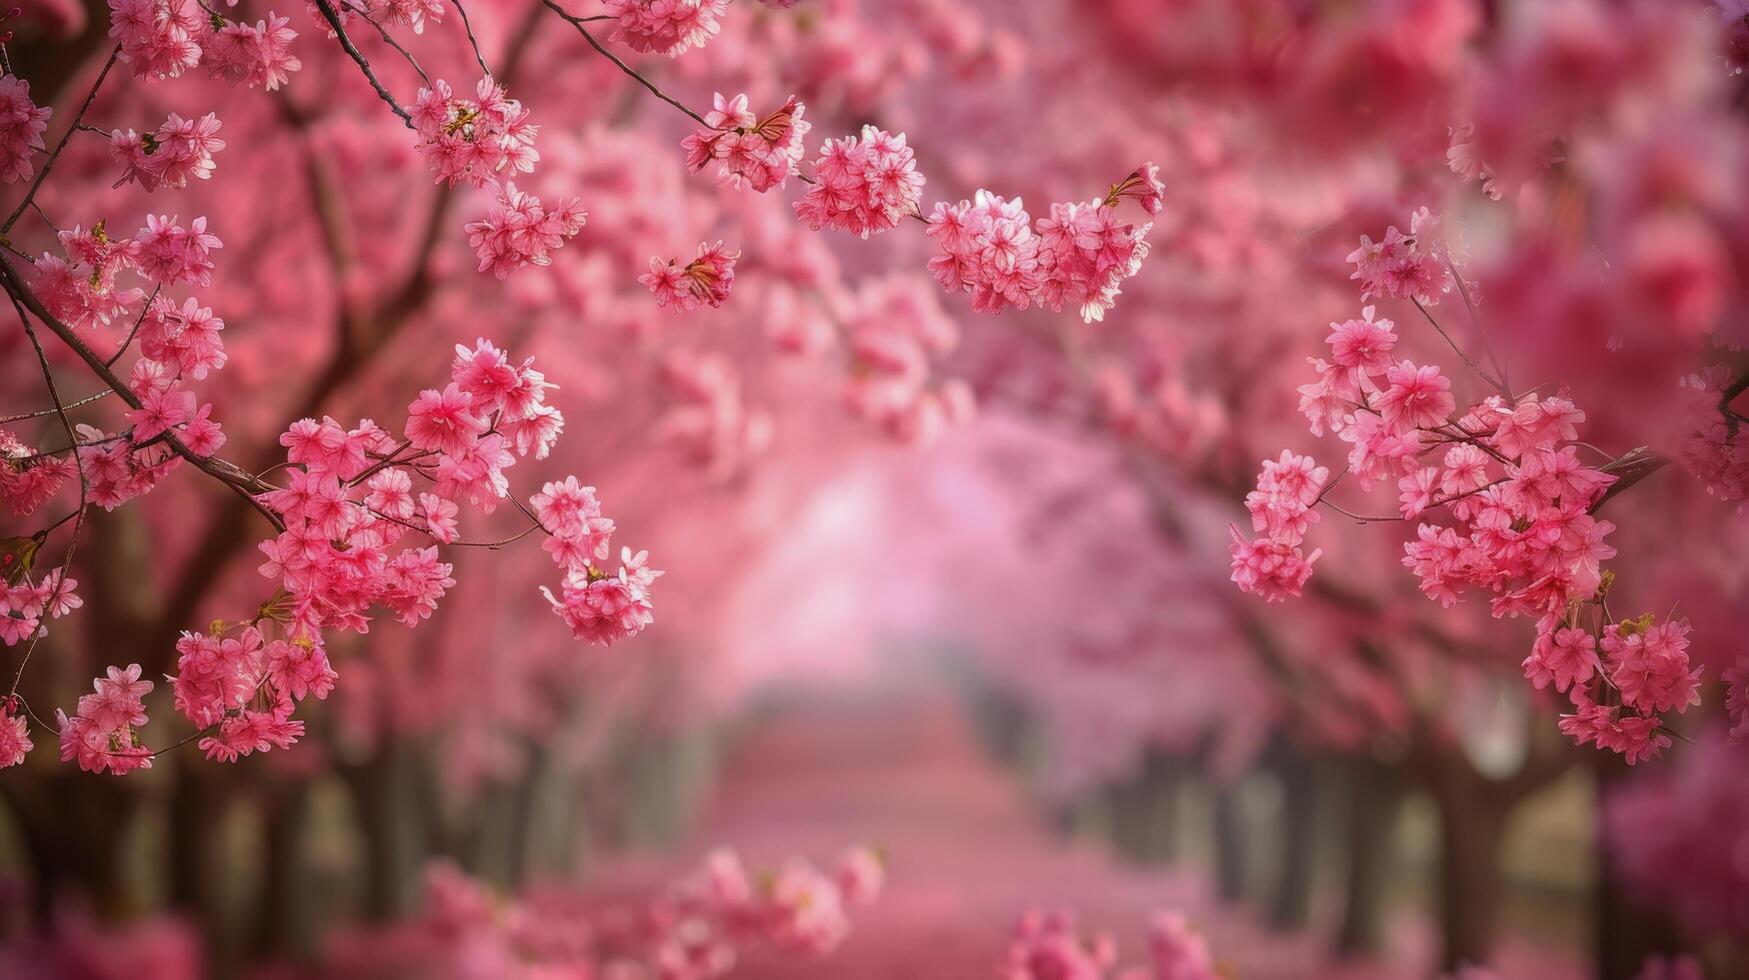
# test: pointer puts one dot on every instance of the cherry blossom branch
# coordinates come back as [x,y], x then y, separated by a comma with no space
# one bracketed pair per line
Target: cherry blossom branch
[1485,376]
[473,42]
[48,165]
[1500,369]
[245,484]
[78,516]
[129,341]
[88,399]
[389,39]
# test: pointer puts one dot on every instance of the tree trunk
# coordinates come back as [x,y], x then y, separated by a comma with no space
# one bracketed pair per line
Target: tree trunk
[1230,845]
[392,834]
[1625,933]
[280,927]
[1292,905]
[1471,829]
[1375,798]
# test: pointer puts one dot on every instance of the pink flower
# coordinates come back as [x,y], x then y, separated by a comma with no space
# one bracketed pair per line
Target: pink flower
[866,184]
[1047,947]
[1405,266]
[1179,952]
[299,668]
[168,253]
[440,517]
[758,154]
[159,38]
[1566,656]
[443,421]
[667,27]
[259,55]
[706,279]
[1648,664]
[485,140]
[1272,569]
[103,736]
[1362,347]
[520,231]
[14,737]
[605,610]
[21,129]
[1418,397]
[1144,185]
[180,149]
[411,13]
[571,513]
[861,873]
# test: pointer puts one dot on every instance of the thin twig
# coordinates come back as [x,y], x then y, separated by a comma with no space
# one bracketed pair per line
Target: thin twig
[473,42]
[326,9]
[88,399]
[1485,376]
[578,22]
[43,174]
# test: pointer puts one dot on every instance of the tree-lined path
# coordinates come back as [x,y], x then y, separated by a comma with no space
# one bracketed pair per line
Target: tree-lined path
[968,852]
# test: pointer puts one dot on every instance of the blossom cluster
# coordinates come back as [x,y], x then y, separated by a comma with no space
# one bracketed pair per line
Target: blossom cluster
[241,690]
[692,930]
[21,129]
[103,736]
[1080,255]
[896,327]
[81,287]
[485,142]
[1413,266]
[598,607]
[166,38]
[669,27]
[759,154]
[1503,501]
[1273,565]
[1049,946]
[710,422]
[1643,672]
[705,280]
[24,604]
[169,156]
[1713,447]
[864,184]
[479,141]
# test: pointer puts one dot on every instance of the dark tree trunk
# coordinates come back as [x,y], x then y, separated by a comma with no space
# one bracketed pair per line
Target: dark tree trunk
[1375,798]
[1292,904]
[392,832]
[280,924]
[1231,852]
[1472,827]
[1625,933]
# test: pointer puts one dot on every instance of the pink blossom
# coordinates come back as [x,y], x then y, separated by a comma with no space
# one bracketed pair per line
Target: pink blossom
[758,154]
[520,231]
[168,254]
[481,141]
[250,56]
[443,421]
[865,184]
[14,736]
[21,129]
[1565,655]
[1272,569]
[706,279]
[667,27]
[159,38]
